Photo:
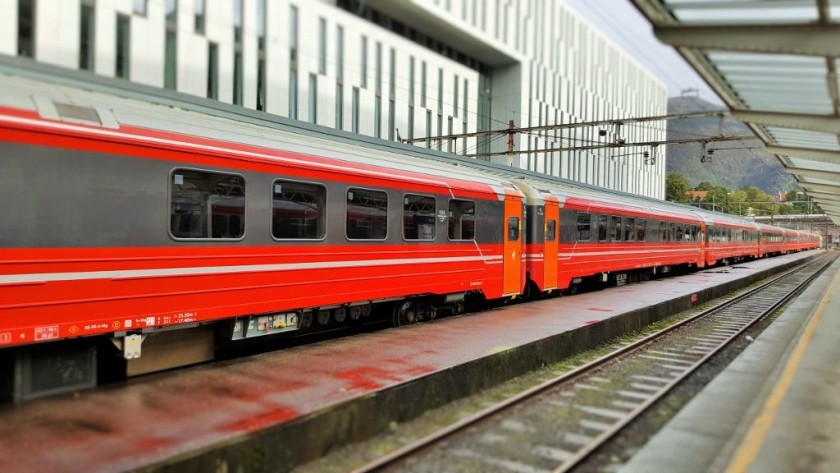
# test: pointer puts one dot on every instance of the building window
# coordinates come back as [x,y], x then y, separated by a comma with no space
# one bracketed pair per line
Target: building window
[423,84]
[298,211]
[293,106]
[293,45]
[140,7]
[363,78]
[237,21]
[261,84]
[123,45]
[428,128]
[339,78]
[207,205]
[392,81]
[322,46]
[367,214]
[455,97]
[313,98]
[449,147]
[213,71]
[377,116]
[378,68]
[261,24]
[170,73]
[461,220]
[26,28]
[87,45]
[237,78]
[171,10]
[199,9]
[355,110]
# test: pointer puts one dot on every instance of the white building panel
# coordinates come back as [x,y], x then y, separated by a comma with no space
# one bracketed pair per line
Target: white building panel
[541,63]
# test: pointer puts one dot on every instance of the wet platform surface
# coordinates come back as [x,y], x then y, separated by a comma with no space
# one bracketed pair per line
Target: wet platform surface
[150,421]
[776,407]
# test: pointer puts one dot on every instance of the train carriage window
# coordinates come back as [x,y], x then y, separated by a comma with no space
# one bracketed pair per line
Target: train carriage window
[367,214]
[419,215]
[693,233]
[207,205]
[584,227]
[615,228]
[550,230]
[461,220]
[513,228]
[663,227]
[629,229]
[602,228]
[641,229]
[298,210]
[672,231]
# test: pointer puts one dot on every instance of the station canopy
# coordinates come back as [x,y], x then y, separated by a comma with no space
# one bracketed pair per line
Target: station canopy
[775,65]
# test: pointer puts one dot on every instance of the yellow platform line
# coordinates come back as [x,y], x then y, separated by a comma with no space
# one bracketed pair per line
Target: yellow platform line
[746,454]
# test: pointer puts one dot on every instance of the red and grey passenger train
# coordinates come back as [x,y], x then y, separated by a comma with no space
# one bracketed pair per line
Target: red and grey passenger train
[149,230]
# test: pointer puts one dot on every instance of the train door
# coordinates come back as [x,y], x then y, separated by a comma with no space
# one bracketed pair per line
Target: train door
[551,242]
[512,247]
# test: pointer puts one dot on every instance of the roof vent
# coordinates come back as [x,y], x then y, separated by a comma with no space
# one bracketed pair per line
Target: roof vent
[76,113]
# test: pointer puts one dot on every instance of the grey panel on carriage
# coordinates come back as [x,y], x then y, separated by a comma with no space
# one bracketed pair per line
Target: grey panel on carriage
[69,198]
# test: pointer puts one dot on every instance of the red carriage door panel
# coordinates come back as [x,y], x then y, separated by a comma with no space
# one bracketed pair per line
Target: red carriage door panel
[552,238]
[512,248]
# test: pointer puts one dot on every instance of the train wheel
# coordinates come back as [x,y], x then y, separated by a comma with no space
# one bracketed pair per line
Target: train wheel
[340,314]
[405,313]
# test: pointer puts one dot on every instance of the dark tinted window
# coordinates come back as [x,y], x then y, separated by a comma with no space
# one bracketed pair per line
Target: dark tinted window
[550,230]
[641,229]
[461,220]
[367,214]
[418,217]
[207,205]
[298,210]
[584,227]
[602,228]
[615,228]
[513,228]
[629,229]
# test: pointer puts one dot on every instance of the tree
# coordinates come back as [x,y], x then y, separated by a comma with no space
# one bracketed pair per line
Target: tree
[704,186]
[675,188]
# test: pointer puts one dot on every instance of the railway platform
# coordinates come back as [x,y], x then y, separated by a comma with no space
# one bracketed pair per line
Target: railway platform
[774,408]
[275,410]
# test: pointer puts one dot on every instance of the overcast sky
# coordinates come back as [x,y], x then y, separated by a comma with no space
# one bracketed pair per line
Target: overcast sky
[630,30]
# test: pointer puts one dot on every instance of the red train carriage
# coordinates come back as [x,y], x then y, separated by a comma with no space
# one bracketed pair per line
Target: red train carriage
[729,239]
[577,235]
[771,241]
[127,230]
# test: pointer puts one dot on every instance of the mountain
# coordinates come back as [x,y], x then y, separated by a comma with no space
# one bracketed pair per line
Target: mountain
[734,164]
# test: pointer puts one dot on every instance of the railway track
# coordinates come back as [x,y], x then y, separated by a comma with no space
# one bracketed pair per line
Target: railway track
[555,426]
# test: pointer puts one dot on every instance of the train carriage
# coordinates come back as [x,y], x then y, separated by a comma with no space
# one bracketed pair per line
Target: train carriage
[729,239]
[124,229]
